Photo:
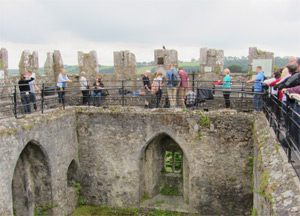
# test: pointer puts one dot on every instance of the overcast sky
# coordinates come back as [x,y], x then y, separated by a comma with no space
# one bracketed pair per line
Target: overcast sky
[141,26]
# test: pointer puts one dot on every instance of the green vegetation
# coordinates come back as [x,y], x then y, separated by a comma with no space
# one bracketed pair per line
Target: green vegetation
[204,121]
[217,70]
[104,211]
[42,211]
[145,196]
[251,73]
[235,68]
[162,213]
[169,162]
[159,202]
[108,211]
[170,191]
[199,135]
[251,163]
[254,212]
[81,202]
[231,179]
[78,188]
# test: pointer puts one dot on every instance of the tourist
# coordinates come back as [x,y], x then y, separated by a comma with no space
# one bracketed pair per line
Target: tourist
[98,86]
[184,84]
[147,86]
[258,95]
[84,88]
[33,87]
[172,78]
[61,87]
[25,92]
[190,99]
[292,80]
[226,88]
[276,76]
[158,80]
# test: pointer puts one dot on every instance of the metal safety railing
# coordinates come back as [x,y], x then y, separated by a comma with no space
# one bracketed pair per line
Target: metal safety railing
[284,118]
[121,92]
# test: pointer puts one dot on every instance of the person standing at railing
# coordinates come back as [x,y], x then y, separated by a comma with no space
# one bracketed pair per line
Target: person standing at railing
[84,88]
[258,96]
[98,86]
[226,88]
[184,84]
[147,85]
[33,87]
[156,87]
[173,81]
[25,92]
[275,77]
[61,86]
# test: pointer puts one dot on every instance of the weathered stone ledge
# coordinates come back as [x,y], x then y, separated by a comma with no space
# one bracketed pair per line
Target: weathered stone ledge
[276,185]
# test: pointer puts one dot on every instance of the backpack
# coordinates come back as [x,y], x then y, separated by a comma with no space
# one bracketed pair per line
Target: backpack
[154,87]
[175,78]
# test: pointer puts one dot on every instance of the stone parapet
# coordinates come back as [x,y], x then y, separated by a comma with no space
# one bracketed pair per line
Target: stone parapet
[276,185]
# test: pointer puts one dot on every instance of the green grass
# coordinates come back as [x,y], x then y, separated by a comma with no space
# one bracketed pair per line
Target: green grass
[170,191]
[189,64]
[106,210]
[162,213]
[142,70]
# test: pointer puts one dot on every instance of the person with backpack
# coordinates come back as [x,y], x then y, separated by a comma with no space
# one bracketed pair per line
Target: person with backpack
[173,81]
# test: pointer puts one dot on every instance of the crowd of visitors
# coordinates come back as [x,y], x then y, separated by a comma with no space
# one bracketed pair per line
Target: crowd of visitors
[178,91]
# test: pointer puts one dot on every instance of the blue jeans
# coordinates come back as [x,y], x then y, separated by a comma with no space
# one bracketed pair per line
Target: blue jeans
[26,102]
[61,95]
[33,100]
[99,97]
[257,101]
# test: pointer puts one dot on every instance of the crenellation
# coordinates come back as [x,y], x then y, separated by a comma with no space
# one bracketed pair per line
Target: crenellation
[88,62]
[164,57]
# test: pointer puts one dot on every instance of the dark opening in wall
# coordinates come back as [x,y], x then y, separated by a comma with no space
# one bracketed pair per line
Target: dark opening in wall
[72,174]
[164,168]
[160,60]
[31,185]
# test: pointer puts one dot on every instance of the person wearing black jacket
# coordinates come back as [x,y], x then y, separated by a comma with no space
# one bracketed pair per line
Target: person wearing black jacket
[25,92]
[292,81]
[98,86]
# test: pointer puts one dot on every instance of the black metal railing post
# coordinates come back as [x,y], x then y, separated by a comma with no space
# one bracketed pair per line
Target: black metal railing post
[123,93]
[287,123]
[15,101]
[88,95]
[197,95]
[193,80]
[43,95]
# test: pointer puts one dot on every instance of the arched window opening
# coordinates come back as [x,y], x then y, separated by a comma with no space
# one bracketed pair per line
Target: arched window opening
[72,174]
[31,184]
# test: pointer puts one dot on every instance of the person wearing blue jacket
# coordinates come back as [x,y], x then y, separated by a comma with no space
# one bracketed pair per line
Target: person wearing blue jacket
[258,95]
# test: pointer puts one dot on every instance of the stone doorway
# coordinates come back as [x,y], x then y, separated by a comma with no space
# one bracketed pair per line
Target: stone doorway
[31,184]
[164,173]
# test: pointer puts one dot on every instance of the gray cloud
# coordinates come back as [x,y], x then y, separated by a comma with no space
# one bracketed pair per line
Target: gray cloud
[227,24]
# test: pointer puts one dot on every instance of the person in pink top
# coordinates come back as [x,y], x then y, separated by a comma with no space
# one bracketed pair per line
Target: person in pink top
[184,84]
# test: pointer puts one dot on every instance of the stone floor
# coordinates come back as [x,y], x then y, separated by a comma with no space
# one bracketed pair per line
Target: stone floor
[168,203]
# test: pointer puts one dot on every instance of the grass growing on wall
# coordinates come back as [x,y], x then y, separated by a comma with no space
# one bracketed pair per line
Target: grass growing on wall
[106,210]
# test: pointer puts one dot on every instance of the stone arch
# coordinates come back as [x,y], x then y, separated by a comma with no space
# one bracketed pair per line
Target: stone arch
[31,183]
[152,161]
[72,174]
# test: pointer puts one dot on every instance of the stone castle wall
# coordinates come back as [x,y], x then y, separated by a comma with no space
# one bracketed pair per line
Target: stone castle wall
[115,147]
